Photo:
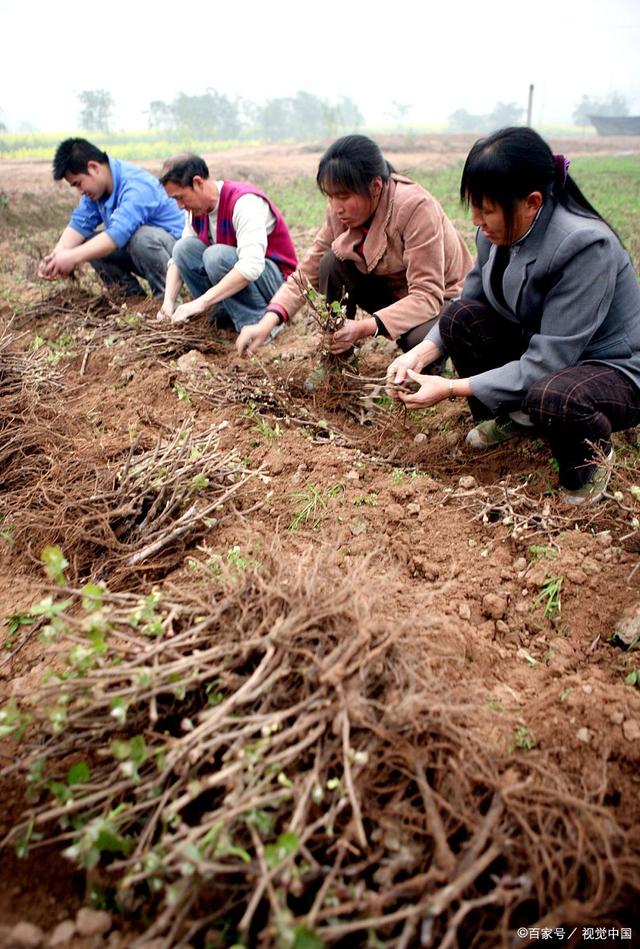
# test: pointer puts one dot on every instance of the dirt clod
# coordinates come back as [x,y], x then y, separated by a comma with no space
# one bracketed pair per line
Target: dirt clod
[494,605]
[631,730]
[25,935]
[62,933]
[93,922]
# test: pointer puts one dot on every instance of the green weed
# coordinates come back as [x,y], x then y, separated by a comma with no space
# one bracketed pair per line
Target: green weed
[549,597]
[182,393]
[314,503]
[14,624]
[6,531]
[539,551]
[633,678]
[523,739]
[370,499]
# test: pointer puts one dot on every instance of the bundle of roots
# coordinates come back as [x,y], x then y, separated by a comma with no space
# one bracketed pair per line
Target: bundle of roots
[112,508]
[289,768]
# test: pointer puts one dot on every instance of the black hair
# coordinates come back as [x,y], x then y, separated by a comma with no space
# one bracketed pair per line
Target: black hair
[73,156]
[509,164]
[182,169]
[352,162]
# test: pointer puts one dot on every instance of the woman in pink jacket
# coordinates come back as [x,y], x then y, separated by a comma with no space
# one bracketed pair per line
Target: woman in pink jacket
[385,241]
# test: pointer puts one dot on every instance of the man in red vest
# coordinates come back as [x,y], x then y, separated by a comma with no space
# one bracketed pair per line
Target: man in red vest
[235,250]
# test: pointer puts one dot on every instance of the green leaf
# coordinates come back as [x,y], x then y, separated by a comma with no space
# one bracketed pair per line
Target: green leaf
[285,845]
[139,751]
[306,939]
[121,750]
[55,563]
[119,710]
[112,842]
[13,722]
[60,791]
[48,608]
[78,773]
[92,597]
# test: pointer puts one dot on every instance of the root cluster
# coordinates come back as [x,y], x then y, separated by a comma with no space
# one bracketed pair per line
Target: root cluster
[274,759]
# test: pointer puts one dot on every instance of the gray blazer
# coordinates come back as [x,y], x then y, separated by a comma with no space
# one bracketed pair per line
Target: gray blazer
[570,284]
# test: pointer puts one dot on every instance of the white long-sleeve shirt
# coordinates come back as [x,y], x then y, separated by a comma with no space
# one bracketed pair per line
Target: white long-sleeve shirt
[253,221]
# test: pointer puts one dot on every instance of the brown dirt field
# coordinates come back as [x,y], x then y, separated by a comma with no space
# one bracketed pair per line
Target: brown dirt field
[293,161]
[452,549]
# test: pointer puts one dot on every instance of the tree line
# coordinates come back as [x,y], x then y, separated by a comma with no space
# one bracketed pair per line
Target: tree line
[215,116]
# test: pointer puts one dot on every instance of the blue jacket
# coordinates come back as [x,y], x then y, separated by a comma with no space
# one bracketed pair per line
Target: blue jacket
[571,286]
[137,198]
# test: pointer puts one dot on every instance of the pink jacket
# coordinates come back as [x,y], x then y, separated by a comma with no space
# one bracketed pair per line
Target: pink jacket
[411,242]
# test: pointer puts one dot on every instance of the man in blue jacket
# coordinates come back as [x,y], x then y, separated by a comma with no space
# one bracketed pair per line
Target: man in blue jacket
[141,223]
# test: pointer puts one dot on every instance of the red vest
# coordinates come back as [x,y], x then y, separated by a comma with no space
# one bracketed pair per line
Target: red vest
[280,247]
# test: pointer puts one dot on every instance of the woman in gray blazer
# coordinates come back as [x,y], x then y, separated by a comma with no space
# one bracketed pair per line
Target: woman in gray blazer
[545,338]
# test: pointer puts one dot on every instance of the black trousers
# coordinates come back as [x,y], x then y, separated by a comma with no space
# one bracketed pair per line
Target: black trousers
[576,409]
[339,277]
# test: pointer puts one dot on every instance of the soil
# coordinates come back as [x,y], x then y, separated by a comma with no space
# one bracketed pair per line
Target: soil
[462,545]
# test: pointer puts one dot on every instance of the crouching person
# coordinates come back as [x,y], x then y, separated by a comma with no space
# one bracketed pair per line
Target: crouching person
[386,244]
[235,251]
[141,223]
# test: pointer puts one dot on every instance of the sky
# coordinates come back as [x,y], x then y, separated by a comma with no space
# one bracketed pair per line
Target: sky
[433,57]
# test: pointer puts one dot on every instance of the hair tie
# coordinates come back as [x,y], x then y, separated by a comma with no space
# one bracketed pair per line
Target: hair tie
[562,169]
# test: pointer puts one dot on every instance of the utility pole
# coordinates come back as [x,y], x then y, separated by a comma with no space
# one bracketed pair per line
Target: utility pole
[530,105]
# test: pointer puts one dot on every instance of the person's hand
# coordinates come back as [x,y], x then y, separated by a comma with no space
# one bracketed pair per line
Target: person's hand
[64,262]
[398,370]
[46,268]
[251,337]
[59,263]
[185,312]
[166,311]
[345,338]
[433,389]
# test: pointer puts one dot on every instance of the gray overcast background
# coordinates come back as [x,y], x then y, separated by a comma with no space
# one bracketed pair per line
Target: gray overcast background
[436,57]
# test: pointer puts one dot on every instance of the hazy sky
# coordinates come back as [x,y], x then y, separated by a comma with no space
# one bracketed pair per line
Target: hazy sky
[434,56]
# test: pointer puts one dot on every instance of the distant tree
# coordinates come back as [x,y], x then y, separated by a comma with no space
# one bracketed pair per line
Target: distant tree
[303,117]
[463,121]
[309,115]
[161,116]
[3,128]
[274,120]
[97,106]
[613,104]
[349,117]
[504,113]
[211,115]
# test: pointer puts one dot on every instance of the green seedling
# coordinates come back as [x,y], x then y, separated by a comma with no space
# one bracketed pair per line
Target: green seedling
[539,551]
[14,624]
[266,431]
[633,678]
[55,564]
[314,505]
[182,393]
[523,739]
[370,499]
[549,597]
[6,532]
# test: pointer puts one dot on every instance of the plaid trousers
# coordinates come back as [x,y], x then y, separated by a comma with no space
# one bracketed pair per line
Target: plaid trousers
[575,409]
